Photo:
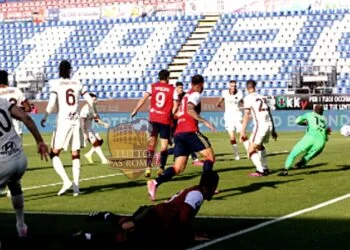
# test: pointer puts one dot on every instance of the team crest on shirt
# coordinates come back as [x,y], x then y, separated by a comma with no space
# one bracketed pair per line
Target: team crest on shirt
[127,144]
[9,149]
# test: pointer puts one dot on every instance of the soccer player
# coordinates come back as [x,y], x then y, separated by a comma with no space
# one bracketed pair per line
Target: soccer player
[255,106]
[13,161]
[170,221]
[313,142]
[87,117]
[181,93]
[187,138]
[15,96]
[233,115]
[65,92]
[163,103]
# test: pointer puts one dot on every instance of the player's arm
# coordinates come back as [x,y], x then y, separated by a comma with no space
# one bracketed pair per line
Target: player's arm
[50,107]
[301,120]
[246,118]
[191,110]
[273,132]
[19,114]
[218,103]
[99,121]
[140,103]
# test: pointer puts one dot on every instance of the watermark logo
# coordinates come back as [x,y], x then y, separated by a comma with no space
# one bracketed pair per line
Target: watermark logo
[127,144]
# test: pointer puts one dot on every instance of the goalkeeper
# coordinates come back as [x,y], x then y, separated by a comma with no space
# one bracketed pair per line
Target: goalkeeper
[313,142]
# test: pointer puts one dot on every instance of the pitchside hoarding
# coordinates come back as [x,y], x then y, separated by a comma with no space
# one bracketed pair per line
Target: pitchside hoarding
[284,120]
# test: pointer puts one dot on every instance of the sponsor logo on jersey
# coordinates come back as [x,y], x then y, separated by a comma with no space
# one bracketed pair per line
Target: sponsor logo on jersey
[128,144]
[9,149]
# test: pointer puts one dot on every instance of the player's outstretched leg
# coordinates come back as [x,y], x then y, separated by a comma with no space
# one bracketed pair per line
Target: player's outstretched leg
[18,205]
[302,146]
[254,156]
[76,171]
[314,151]
[58,166]
[168,174]
[150,154]
[263,156]
[164,141]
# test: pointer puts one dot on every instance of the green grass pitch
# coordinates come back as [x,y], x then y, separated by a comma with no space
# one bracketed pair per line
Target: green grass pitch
[242,202]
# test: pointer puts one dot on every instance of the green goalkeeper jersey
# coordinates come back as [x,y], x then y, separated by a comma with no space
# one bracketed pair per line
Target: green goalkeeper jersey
[316,125]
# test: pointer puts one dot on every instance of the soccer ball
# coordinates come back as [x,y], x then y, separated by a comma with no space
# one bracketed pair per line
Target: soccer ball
[345,130]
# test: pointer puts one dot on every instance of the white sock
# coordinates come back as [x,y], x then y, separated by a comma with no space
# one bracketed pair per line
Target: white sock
[262,154]
[246,145]
[18,204]
[58,166]
[76,171]
[91,151]
[99,152]
[235,149]
[257,162]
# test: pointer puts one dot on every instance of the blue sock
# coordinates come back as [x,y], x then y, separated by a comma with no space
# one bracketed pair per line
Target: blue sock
[163,158]
[208,165]
[166,176]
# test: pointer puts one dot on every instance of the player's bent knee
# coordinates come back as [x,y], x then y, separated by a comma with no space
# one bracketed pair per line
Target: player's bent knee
[53,154]
[76,155]
[96,144]
[179,169]
[15,188]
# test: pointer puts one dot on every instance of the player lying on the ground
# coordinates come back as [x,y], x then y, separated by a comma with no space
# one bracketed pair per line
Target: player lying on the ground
[87,116]
[163,103]
[170,222]
[255,105]
[65,93]
[188,138]
[181,93]
[233,99]
[13,161]
[313,142]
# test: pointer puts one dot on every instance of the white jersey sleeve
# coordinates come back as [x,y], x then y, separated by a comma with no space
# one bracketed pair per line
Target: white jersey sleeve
[194,98]
[194,199]
[149,89]
[257,104]
[84,112]
[175,96]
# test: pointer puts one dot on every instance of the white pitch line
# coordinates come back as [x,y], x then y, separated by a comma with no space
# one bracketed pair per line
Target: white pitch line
[268,223]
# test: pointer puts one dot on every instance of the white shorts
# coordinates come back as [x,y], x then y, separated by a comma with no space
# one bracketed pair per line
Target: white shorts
[233,125]
[260,134]
[13,170]
[65,133]
[18,126]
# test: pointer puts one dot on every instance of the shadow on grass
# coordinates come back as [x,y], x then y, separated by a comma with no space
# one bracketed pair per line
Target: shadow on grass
[253,187]
[339,168]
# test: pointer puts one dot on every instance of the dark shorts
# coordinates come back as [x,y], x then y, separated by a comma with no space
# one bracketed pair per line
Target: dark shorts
[160,129]
[187,143]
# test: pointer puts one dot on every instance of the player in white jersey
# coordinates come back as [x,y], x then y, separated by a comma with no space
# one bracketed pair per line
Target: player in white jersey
[233,99]
[15,96]
[255,106]
[13,161]
[65,93]
[87,117]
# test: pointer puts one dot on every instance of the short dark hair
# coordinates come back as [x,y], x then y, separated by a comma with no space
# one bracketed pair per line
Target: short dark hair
[233,81]
[163,75]
[65,69]
[251,82]
[197,79]
[92,95]
[319,109]
[179,84]
[209,179]
[4,77]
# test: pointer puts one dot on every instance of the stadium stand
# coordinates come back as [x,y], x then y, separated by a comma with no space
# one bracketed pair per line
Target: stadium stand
[117,58]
